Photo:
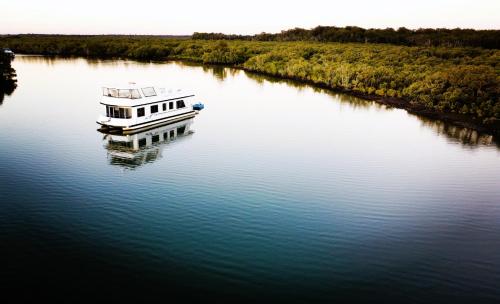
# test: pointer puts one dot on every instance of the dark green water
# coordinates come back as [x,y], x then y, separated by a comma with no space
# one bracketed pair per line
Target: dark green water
[275,192]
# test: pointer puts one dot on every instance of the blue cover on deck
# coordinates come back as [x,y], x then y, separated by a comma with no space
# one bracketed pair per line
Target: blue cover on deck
[198,106]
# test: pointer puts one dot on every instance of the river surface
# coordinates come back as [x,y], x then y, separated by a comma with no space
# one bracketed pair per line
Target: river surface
[275,191]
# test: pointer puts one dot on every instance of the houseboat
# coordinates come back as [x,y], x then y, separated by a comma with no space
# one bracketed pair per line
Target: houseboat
[131,107]
[134,150]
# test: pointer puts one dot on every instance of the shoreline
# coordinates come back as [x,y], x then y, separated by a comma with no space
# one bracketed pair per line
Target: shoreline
[456,119]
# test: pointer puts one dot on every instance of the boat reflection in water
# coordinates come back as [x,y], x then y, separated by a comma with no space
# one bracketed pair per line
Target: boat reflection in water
[133,150]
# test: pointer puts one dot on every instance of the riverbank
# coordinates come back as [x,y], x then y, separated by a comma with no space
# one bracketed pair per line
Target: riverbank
[456,85]
[457,119]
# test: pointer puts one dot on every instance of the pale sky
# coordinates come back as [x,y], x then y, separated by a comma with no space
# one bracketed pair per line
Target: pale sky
[241,17]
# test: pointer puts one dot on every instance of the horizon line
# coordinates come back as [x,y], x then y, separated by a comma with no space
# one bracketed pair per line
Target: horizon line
[263,32]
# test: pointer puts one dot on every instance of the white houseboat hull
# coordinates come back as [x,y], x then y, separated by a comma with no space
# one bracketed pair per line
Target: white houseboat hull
[147,123]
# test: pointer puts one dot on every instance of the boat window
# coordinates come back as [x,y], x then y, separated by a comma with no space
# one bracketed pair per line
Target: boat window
[142,142]
[181,130]
[140,112]
[154,109]
[135,94]
[148,92]
[124,94]
[180,104]
[165,136]
[121,93]
[171,105]
[155,138]
[117,112]
[112,93]
[164,107]
[172,134]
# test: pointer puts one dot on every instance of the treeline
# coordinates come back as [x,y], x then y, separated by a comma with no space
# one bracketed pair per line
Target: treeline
[135,47]
[402,36]
[6,71]
[459,81]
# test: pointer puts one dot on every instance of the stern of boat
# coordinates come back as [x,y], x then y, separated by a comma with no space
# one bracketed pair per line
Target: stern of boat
[103,120]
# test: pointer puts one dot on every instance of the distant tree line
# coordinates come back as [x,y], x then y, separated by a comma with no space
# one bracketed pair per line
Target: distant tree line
[402,36]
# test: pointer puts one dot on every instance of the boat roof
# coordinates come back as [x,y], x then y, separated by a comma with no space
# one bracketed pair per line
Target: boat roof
[129,85]
[160,90]
[113,98]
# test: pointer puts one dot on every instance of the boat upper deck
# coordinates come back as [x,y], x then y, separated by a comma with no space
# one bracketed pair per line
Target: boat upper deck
[132,94]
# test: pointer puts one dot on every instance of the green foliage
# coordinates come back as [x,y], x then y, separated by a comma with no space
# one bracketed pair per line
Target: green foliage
[221,53]
[7,73]
[461,80]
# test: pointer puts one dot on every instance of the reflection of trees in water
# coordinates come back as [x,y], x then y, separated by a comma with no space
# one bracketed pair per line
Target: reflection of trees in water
[48,60]
[7,88]
[355,102]
[92,62]
[8,81]
[220,72]
[465,136]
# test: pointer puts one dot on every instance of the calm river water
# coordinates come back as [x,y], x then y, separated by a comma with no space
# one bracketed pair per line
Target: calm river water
[276,191]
